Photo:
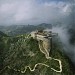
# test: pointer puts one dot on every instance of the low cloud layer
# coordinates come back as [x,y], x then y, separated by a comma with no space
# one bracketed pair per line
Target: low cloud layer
[64,37]
[34,11]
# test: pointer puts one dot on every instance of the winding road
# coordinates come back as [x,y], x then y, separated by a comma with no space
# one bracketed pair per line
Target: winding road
[44,51]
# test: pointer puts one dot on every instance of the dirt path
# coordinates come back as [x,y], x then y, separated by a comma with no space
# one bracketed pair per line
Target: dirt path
[44,51]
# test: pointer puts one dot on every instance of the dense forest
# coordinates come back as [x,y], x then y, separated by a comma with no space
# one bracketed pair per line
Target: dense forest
[20,51]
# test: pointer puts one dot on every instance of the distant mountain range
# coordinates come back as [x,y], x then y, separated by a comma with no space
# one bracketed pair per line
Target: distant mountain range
[22,29]
[14,30]
[2,34]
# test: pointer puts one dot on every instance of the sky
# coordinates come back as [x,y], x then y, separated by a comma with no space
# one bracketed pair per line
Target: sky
[35,11]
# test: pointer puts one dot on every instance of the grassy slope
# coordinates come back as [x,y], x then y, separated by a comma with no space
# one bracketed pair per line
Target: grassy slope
[17,53]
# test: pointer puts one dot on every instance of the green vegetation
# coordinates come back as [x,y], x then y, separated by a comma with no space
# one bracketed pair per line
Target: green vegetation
[2,34]
[20,51]
[15,30]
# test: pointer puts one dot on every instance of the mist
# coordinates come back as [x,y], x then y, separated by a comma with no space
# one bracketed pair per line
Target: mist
[64,38]
[63,32]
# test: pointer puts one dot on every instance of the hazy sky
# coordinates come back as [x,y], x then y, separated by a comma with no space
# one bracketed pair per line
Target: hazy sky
[34,11]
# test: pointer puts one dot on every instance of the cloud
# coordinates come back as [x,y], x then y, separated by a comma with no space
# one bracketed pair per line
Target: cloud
[64,37]
[32,12]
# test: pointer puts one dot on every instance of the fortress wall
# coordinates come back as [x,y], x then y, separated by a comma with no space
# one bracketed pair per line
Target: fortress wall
[46,42]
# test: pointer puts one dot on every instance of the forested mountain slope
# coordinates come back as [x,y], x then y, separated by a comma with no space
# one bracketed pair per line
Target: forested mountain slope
[16,53]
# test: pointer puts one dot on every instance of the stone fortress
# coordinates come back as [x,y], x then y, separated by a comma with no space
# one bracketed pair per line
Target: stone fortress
[45,40]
